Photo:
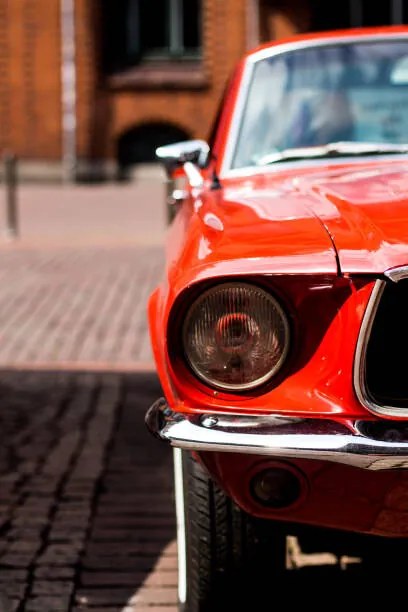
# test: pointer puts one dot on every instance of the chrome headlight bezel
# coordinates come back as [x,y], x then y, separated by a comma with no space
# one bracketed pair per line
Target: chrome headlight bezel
[272,372]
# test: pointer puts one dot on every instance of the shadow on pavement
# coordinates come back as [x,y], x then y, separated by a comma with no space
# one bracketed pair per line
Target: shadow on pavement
[86,509]
[86,502]
[321,588]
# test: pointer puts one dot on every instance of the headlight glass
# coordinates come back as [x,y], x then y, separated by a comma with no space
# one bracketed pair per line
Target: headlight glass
[236,336]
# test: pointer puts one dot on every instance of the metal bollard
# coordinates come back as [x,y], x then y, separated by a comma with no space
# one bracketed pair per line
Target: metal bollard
[10,180]
[176,194]
[169,188]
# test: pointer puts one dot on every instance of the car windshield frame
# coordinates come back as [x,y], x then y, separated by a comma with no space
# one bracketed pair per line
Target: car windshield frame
[276,50]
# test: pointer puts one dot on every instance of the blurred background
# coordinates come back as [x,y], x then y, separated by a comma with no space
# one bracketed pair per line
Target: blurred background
[88,90]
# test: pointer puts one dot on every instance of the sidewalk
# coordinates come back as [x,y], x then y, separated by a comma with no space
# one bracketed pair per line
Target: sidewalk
[86,504]
[114,214]
[78,469]
[86,494]
[76,282]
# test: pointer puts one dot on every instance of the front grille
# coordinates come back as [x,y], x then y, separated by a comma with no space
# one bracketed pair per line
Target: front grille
[386,359]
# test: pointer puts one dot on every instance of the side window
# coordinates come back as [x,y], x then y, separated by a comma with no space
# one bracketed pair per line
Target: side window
[399,72]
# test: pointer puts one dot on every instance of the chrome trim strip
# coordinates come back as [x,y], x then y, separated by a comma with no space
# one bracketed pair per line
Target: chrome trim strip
[180,504]
[276,436]
[273,51]
[232,136]
[395,275]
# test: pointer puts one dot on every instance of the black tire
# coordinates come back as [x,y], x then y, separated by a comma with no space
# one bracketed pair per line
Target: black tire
[5,604]
[230,557]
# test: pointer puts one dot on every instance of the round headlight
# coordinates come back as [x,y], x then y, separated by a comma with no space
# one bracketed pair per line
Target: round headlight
[235,336]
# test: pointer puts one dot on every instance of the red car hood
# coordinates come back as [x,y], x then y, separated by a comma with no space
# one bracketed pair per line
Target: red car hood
[254,230]
[365,210]
[351,218]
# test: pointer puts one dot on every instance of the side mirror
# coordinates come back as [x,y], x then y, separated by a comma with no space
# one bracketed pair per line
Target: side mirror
[174,155]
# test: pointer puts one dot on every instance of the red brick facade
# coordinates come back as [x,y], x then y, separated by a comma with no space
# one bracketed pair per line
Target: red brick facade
[30,80]
[105,102]
[30,90]
[109,106]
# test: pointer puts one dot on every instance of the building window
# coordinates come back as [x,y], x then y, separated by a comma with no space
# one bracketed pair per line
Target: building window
[139,31]
[357,13]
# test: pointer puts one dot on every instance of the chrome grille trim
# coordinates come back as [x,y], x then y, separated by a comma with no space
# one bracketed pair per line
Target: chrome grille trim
[360,387]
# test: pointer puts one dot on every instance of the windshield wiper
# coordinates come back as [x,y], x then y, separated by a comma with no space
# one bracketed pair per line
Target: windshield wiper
[332,149]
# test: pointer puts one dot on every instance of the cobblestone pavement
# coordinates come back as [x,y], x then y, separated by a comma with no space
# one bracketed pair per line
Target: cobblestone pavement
[77,307]
[86,501]
[86,509]
[82,215]
[75,283]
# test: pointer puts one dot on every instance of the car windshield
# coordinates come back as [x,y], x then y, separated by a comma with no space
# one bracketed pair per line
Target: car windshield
[338,93]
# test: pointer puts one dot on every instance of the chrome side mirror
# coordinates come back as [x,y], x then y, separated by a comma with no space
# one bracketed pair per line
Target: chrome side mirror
[177,154]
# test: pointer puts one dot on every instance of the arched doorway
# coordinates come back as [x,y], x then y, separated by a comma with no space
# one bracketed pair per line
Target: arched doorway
[138,144]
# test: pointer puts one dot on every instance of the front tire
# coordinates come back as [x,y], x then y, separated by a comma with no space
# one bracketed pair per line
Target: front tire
[225,555]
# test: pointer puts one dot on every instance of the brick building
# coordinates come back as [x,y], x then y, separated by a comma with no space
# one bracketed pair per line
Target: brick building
[86,84]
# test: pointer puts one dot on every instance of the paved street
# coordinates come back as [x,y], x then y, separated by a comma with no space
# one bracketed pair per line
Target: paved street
[86,500]
[76,281]
[111,214]
[76,307]
[86,508]
[86,513]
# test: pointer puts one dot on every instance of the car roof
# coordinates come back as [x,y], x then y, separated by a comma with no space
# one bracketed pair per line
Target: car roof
[381,31]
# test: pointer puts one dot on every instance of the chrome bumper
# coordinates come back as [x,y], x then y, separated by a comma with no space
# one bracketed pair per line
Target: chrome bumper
[277,436]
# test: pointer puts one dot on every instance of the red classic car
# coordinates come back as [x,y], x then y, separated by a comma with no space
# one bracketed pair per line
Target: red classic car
[280,330]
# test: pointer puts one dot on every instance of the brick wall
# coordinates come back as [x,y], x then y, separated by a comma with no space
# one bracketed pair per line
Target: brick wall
[30,82]
[29,78]
[106,111]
